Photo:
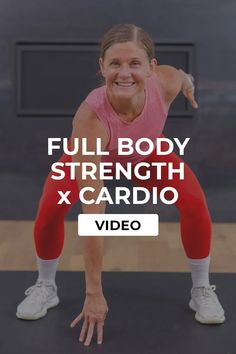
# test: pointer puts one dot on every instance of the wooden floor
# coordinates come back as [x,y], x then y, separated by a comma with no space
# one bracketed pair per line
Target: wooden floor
[163,253]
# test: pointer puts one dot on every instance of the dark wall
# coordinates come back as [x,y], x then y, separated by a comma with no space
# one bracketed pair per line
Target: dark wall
[209,25]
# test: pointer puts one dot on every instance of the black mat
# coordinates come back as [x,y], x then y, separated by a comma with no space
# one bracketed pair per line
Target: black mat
[148,315]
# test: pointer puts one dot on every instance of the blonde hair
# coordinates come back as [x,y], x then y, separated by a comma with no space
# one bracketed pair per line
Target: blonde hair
[122,33]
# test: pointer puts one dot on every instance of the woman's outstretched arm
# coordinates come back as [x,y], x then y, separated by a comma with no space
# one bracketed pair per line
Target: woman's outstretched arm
[87,125]
[173,81]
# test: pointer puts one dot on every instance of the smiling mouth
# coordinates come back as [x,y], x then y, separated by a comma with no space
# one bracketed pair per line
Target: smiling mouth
[124,84]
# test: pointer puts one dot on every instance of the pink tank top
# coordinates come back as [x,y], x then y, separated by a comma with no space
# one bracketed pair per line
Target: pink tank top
[149,124]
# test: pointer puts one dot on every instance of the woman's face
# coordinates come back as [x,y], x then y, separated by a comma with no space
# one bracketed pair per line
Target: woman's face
[125,68]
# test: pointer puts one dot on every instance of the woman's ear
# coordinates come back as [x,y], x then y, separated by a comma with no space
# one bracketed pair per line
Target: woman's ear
[152,66]
[154,62]
[101,65]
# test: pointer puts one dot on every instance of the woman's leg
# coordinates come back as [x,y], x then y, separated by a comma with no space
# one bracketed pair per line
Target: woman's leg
[195,221]
[195,224]
[49,223]
[49,238]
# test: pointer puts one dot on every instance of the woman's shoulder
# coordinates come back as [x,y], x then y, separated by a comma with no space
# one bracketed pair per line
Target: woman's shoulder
[170,81]
[96,96]
[166,71]
[167,75]
[86,123]
[87,109]
[84,113]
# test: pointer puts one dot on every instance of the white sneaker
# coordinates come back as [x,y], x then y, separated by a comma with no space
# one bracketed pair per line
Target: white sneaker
[205,303]
[40,297]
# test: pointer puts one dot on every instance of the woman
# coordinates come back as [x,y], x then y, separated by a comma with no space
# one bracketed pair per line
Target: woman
[133,103]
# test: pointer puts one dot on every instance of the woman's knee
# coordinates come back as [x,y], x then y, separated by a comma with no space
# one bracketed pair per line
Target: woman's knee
[193,206]
[49,216]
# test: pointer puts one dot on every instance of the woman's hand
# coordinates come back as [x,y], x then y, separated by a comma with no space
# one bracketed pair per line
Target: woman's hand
[188,88]
[94,314]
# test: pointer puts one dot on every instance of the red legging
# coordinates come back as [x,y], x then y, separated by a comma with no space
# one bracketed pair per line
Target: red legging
[194,216]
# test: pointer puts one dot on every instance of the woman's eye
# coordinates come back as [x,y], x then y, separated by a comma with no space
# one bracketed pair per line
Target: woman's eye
[135,63]
[114,63]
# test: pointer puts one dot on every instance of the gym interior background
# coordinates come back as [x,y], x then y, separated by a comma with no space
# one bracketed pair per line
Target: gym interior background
[48,64]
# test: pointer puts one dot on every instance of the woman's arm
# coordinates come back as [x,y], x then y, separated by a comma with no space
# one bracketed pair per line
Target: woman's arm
[87,125]
[174,81]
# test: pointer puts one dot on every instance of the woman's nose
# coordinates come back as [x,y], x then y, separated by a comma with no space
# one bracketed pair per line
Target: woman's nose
[124,71]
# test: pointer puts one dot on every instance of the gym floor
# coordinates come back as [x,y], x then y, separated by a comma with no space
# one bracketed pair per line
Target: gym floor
[145,282]
[155,254]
